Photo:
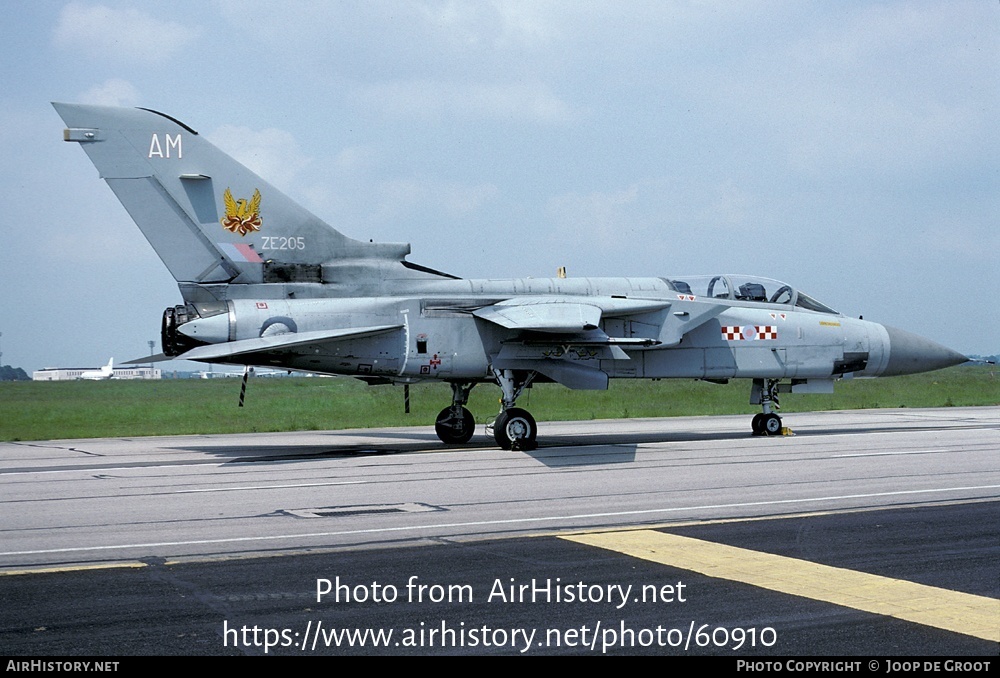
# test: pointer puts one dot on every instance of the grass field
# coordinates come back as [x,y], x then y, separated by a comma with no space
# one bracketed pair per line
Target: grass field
[87,409]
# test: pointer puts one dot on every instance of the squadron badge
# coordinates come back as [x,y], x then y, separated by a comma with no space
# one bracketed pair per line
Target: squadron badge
[241,216]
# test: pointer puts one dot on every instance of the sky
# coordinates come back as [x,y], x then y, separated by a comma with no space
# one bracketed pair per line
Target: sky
[850,149]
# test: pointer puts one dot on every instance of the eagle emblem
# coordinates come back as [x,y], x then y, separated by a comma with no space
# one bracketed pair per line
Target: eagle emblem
[241,216]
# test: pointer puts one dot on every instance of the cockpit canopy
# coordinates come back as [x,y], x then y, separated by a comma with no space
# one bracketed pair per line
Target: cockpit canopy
[747,288]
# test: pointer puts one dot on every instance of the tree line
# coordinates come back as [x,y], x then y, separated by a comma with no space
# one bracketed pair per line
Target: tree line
[8,373]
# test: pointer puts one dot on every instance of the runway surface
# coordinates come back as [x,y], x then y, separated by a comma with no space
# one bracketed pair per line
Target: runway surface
[866,533]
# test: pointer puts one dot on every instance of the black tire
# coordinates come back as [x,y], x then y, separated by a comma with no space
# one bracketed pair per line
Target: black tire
[515,427]
[756,425]
[771,424]
[453,431]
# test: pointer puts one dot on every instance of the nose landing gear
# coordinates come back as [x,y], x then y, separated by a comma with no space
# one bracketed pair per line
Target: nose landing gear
[766,423]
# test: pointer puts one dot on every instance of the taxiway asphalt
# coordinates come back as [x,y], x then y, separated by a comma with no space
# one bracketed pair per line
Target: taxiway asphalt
[172,543]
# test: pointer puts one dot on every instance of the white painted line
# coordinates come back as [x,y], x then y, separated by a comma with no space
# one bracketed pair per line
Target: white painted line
[270,487]
[889,454]
[482,523]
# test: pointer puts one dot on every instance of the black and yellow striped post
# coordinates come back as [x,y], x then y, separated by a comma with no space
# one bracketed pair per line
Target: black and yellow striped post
[243,387]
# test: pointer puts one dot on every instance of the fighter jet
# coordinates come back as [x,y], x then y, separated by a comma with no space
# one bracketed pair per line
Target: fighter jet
[266,283]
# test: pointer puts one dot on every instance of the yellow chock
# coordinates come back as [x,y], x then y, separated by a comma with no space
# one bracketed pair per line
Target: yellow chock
[785,431]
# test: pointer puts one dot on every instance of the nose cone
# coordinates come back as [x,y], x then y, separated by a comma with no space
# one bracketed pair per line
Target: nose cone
[910,354]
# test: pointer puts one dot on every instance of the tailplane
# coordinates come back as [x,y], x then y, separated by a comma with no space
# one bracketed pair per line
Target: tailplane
[209,218]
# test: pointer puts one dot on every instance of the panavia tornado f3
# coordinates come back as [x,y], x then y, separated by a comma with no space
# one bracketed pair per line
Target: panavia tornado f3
[267,283]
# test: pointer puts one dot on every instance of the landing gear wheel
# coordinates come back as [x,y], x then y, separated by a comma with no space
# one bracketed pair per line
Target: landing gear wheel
[755,425]
[770,425]
[455,430]
[515,428]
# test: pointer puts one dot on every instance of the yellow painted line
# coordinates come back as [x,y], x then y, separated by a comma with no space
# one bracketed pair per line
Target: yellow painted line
[73,568]
[964,613]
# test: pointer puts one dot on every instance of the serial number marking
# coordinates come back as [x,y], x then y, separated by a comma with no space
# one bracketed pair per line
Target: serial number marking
[280,242]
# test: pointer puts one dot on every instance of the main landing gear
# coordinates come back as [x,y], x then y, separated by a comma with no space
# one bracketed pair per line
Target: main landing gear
[514,428]
[455,425]
[765,392]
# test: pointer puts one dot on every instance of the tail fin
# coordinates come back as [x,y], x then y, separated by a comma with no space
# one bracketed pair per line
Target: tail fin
[209,218]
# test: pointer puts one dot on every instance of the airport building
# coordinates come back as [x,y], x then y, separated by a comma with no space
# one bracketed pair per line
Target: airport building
[74,373]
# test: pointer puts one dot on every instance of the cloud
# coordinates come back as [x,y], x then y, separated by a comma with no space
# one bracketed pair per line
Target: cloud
[657,225]
[113,92]
[430,26]
[403,196]
[490,25]
[120,34]
[599,217]
[441,100]
[896,90]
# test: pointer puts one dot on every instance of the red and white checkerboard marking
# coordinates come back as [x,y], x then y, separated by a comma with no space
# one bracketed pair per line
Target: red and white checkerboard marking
[749,332]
